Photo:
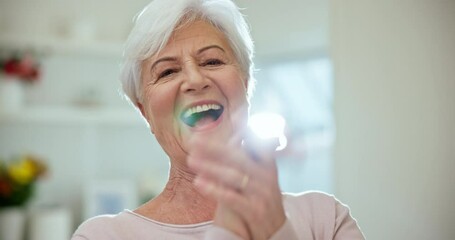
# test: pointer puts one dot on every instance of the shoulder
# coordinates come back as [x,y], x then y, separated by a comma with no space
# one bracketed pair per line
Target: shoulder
[316,204]
[311,200]
[312,207]
[101,227]
[324,212]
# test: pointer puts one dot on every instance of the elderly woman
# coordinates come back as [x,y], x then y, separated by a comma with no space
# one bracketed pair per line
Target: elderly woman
[188,69]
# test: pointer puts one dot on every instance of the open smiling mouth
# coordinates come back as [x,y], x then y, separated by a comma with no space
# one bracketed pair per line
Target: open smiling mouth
[201,114]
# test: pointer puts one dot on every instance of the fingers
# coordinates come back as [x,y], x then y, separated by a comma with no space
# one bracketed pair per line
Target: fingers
[240,151]
[243,178]
[224,153]
[263,213]
[262,150]
[226,175]
[219,181]
[233,166]
[235,171]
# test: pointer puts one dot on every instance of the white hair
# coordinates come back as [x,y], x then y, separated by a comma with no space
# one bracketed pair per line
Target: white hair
[156,22]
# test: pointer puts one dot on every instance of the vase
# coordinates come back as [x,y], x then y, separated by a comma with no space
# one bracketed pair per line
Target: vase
[11,94]
[50,222]
[12,223]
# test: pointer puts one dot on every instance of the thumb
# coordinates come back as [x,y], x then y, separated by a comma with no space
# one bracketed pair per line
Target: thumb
[260,149]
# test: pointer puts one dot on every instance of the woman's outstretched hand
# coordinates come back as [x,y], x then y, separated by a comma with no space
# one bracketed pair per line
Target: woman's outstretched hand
[244,182]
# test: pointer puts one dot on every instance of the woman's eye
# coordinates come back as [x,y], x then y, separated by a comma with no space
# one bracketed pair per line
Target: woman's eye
[213,62]
[166,73]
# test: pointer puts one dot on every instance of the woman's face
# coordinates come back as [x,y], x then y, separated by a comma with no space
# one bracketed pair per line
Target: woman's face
[193,87]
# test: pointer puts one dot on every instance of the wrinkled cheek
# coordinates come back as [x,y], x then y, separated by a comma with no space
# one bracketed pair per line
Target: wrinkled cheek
[159,119]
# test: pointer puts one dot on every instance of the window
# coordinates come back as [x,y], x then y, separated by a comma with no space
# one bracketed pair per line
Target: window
[300,91]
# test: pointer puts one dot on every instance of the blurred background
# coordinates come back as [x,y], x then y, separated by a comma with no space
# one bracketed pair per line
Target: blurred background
[366,88]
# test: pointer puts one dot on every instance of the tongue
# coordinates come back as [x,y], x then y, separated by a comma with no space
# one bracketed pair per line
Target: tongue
[204,121]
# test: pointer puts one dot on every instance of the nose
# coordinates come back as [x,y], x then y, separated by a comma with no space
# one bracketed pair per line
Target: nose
[194,80]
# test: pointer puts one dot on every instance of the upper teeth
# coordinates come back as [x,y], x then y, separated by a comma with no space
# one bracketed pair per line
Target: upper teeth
[200,108]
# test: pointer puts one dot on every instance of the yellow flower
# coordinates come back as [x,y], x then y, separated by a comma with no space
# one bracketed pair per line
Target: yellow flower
[23,172]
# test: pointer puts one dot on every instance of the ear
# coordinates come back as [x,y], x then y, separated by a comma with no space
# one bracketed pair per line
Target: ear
[246,81]
[141,108]
[247,89]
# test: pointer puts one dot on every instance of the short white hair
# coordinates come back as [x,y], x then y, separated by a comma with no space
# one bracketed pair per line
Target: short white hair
[156,22]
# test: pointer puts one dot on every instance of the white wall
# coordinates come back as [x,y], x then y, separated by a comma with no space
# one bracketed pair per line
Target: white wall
[287,28]
[395,113]
[110,20]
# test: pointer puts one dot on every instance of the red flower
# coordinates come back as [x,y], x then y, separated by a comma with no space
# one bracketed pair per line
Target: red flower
[11,67]
[5,188]
[24,68]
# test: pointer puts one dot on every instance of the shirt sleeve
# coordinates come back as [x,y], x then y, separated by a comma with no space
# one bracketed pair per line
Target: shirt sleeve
[345,225]
[78,237]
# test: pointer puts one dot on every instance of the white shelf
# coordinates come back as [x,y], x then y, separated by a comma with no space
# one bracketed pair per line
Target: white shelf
[74,116]
[63,46]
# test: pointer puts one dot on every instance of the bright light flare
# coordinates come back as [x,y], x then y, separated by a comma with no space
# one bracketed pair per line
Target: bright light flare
[268,125]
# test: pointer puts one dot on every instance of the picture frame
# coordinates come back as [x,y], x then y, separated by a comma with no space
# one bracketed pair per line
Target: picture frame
[109,197]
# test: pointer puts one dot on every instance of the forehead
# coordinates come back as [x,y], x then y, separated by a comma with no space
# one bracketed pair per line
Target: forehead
[195,35]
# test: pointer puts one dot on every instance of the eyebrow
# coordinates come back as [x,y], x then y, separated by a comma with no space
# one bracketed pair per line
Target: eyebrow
[170,59]
[165,59]
[209,47]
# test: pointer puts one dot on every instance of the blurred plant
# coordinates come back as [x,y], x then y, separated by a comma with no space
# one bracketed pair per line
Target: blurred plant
[21,65]
[18,178]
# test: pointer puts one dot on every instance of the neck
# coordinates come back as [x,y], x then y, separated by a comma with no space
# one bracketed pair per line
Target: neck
[180,202]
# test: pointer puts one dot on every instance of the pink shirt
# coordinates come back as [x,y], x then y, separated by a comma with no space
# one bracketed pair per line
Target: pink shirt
[310,215]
